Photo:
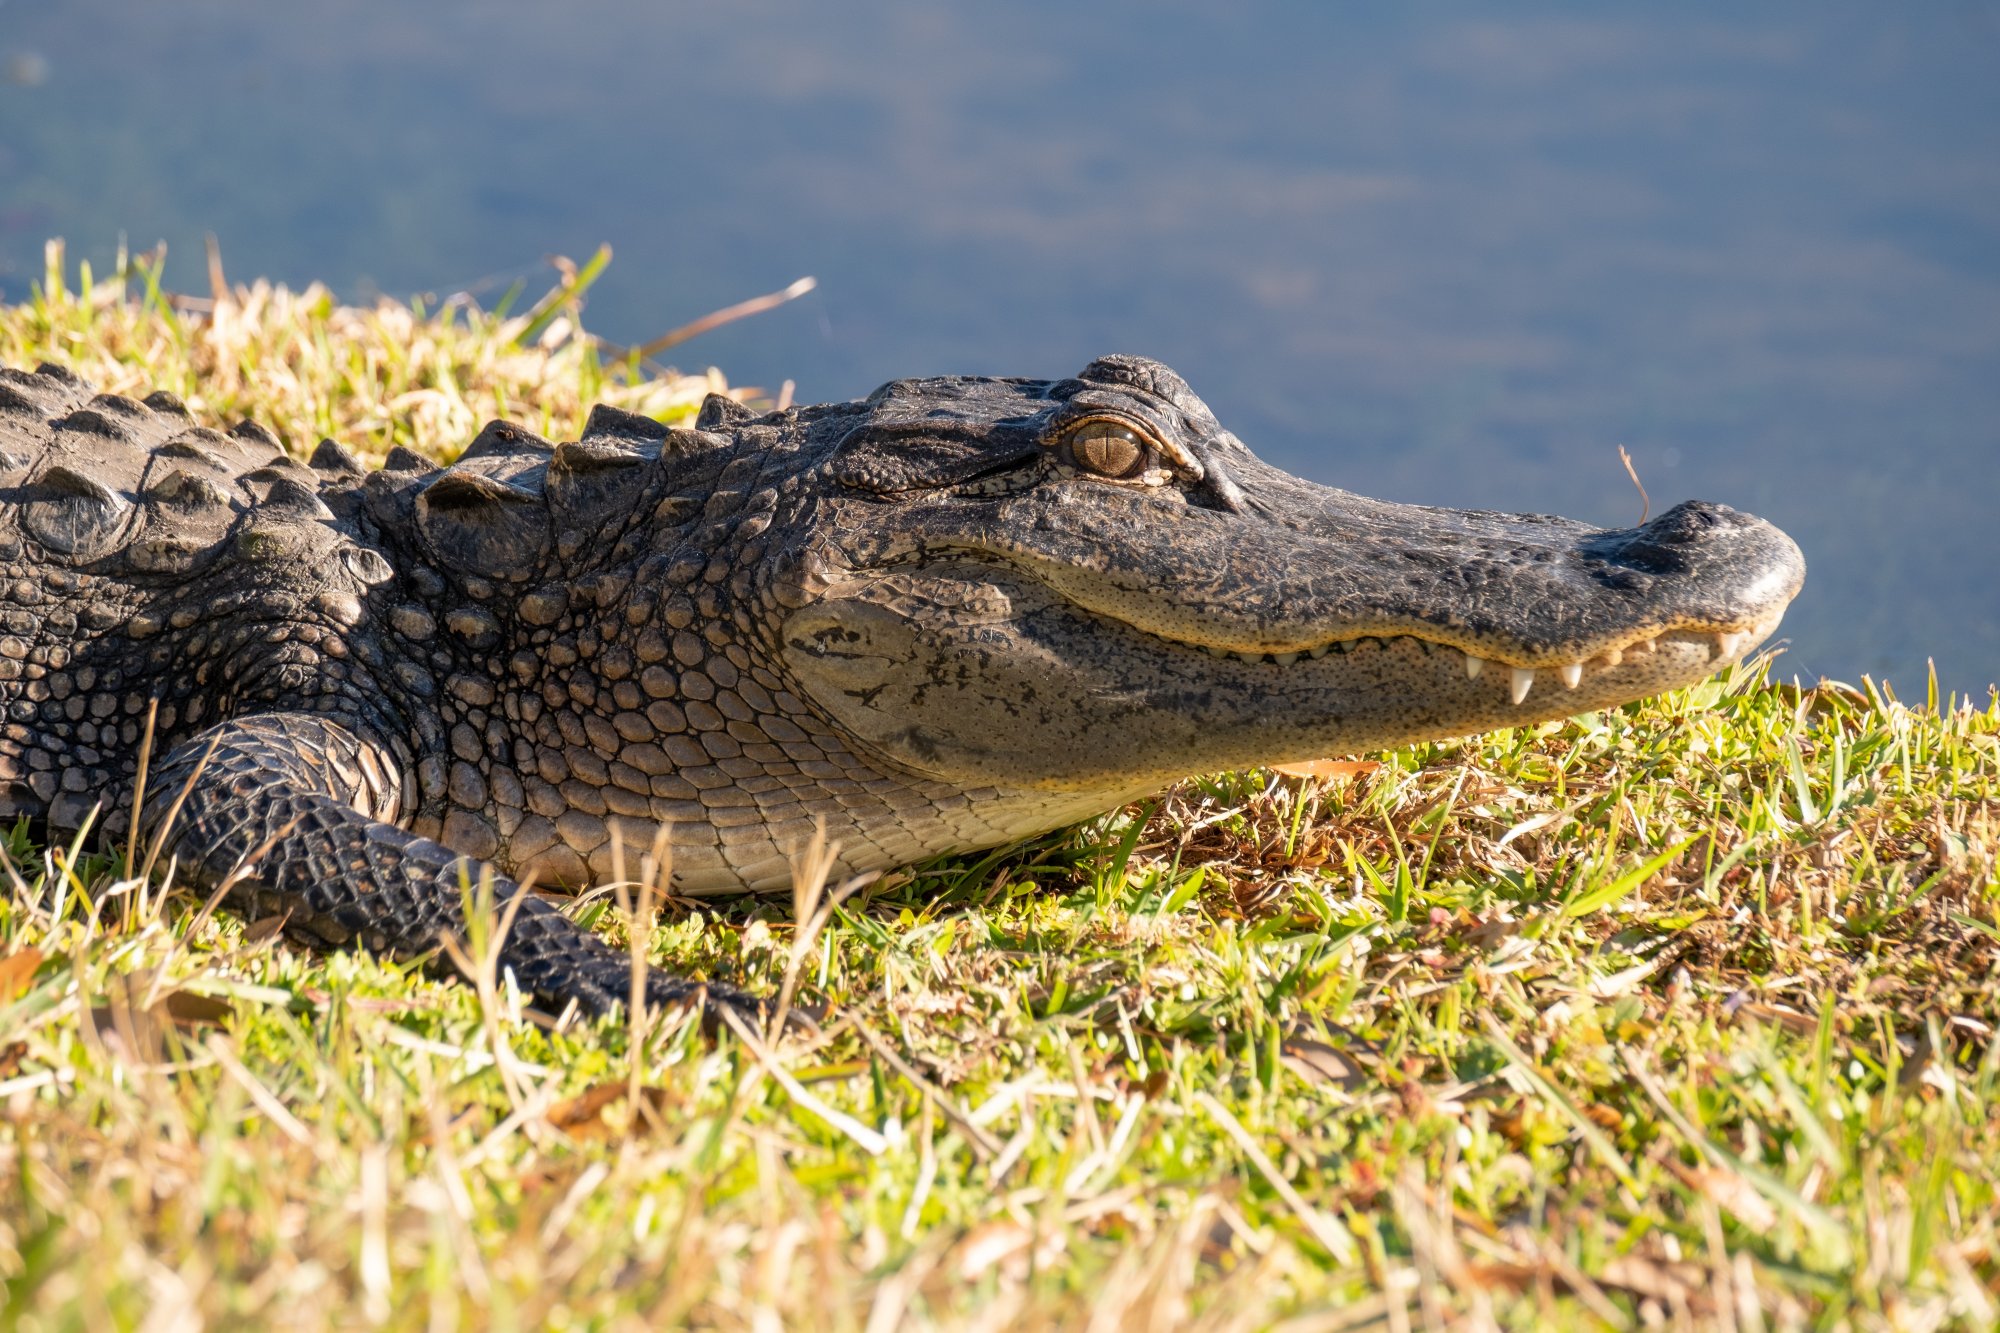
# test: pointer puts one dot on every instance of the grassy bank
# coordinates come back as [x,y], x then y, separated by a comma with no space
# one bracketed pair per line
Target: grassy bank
[1684,1013]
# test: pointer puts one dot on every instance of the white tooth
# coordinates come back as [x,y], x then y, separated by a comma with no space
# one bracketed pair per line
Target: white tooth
[1473,666]
[1284,659]
[1614,657]
[1251,657]
[1319,652]
[1645,645]
[1572,674]
[1728,644]
[1523,678]
[1213,651]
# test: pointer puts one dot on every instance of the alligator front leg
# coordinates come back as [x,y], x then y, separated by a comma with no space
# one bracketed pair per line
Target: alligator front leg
[278,804]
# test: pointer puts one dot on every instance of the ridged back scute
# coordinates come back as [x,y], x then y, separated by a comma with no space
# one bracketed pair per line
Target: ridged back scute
[515,505]
[128,488]
[595,484]
[484,515]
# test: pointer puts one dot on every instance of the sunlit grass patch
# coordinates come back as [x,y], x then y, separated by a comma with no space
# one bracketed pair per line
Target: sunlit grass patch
[1683,1012]
[374,377]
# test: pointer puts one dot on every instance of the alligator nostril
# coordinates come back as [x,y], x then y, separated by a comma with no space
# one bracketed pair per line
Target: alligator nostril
[1665,545]
[1648,552]
[1693,519]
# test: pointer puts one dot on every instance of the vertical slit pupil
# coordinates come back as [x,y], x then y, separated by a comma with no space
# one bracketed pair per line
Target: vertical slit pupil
[1107,448]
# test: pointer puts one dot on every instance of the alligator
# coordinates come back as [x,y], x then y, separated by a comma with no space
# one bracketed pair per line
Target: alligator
[943,618]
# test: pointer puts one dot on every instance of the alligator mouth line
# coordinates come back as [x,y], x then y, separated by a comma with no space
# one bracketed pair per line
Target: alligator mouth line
[1726,645]
[1725,642]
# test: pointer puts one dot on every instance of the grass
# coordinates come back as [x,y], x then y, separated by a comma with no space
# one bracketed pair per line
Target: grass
[1684,1014]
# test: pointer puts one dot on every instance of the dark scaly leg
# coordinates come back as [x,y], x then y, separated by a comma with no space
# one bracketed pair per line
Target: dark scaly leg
[292,790]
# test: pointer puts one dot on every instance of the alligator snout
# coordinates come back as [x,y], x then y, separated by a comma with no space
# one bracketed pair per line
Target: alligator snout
[1731,568]
[1674,542]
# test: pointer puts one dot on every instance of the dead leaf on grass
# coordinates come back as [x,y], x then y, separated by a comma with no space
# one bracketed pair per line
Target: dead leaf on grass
[1532,824]
[990,1244]
[583,1116]
[1679,1283]
[1318,1063]
[1792,1020]
[264,929]
[1604,1117]
[1733,1194]
[188,1009]
[17,969]
[1328,768]
[142,1033]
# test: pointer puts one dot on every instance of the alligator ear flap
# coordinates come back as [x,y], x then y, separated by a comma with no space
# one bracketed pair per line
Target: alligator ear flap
[504,439]
[72,514]
[482,526]
[331,457]
[720,412]
[892,461]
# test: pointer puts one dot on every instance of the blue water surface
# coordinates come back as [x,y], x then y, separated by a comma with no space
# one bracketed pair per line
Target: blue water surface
[1448,252]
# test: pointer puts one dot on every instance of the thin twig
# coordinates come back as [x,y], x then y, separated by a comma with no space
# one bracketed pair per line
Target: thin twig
[1336,1243]
[139,782]
[715,319]
[868,1140]
[266,1101]
[982,1144]
[159,842]
[1645,500]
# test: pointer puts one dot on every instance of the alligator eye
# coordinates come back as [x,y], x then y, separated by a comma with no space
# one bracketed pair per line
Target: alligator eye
[1108,448]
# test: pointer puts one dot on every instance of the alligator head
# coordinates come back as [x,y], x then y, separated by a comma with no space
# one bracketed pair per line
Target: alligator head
[1088,586]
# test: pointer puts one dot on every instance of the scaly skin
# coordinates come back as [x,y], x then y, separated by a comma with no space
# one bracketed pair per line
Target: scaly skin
[954,614]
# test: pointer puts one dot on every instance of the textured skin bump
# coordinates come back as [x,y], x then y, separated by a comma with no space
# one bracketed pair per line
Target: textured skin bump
[916,622]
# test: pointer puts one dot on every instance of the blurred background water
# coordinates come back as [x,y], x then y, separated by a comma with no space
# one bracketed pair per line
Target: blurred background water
[1449,252]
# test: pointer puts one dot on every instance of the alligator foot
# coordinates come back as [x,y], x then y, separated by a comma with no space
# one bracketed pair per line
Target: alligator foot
[256,804]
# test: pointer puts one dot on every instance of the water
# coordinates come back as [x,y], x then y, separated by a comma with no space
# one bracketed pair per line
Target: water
[1444,252]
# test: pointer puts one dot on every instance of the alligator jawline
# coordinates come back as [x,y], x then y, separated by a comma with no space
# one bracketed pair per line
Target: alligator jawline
[1726,645]
[1522,666]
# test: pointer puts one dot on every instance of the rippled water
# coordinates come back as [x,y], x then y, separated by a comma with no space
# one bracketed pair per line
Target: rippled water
[1453,252]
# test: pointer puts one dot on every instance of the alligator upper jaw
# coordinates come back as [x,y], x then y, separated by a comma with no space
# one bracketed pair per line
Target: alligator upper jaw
[1377,693]
[1310,569]
[1415,685]
[1632,668]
